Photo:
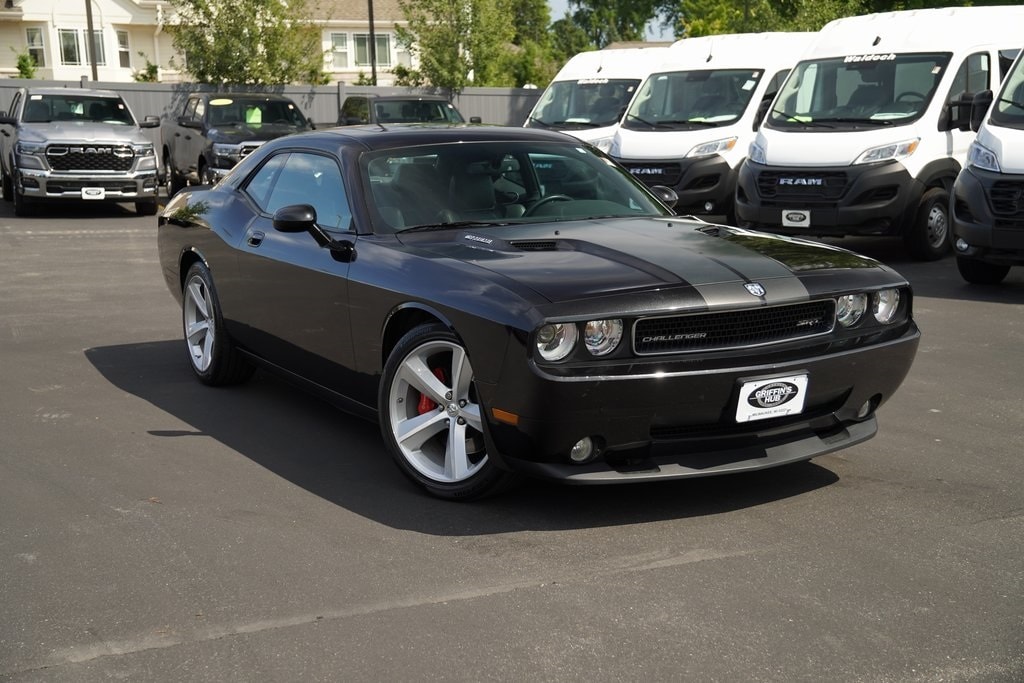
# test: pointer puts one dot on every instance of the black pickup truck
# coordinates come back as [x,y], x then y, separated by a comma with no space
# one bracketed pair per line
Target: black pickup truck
[216,130]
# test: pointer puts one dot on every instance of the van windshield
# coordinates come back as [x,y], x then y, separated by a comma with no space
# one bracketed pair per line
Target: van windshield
[688,100]
[1008,109]
[855,92]
[585,103]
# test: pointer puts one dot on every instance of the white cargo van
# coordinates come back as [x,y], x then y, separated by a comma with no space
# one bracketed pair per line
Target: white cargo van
[988,196]
[692,122]
[590,93]
[862,138]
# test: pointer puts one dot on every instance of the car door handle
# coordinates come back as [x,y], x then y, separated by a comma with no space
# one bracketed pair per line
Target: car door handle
[255,239]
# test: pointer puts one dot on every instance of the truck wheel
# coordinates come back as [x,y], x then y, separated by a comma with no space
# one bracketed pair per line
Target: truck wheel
[22,204]
[927,239]
[174,181]
[8,186]
[206,175]
[979,272]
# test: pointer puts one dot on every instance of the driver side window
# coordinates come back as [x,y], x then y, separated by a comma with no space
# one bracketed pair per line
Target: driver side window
[303,178]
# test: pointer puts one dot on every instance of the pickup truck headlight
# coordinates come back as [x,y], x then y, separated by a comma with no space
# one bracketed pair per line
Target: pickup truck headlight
[893,152]
[233,152]
[30,155]
[710,148]
[983,158]
[146,157]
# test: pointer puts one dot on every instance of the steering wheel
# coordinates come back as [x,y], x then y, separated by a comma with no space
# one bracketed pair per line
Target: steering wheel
[547,200]
[910,94]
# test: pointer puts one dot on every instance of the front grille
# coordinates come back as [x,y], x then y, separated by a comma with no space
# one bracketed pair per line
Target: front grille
[732,329]
[90,157]
[1007,198]
[802,185]
[655,172]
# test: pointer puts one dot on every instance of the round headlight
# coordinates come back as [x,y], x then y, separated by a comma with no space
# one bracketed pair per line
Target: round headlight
[556,341]
[602,336]
[850,308]
[885,304]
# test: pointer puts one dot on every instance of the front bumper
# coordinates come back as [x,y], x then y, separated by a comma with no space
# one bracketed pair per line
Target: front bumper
[705,185]
[988,216]
[871,199]
[678,419]
[116,187]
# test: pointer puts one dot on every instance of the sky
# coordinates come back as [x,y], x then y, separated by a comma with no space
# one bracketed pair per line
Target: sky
[558,8]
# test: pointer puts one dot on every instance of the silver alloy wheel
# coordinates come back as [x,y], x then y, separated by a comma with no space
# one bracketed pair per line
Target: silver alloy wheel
[197,310]
[938,226]
[444,443]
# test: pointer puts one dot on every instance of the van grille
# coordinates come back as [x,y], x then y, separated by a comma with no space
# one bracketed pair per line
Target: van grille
[1007,198]
[655,172]
[802,185]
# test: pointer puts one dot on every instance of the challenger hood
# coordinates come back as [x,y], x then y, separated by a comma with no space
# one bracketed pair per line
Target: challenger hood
[578,259]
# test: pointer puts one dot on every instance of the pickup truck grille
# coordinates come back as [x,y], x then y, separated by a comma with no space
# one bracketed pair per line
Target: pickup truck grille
[90,157]
[732,329]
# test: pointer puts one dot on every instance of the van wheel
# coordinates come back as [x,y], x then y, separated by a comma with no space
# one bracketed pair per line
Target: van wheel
[979,272]
[928,236]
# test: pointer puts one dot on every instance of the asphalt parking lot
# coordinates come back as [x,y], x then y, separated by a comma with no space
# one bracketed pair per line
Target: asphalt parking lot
[155,529]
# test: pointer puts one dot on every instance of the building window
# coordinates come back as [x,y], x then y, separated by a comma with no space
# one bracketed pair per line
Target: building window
[363,50]
[339,50]
[34,38]
[70,51]
[71,47]
[124,54]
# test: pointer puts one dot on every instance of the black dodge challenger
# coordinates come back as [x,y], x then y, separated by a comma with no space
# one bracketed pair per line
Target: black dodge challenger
[509,301]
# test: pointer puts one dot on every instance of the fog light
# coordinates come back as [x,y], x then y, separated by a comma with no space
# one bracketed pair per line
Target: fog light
[709,207]
[583,450]
[961,245]
[870,406]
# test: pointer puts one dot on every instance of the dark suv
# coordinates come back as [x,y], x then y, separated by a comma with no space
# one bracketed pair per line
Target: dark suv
[360,109]
[216,130]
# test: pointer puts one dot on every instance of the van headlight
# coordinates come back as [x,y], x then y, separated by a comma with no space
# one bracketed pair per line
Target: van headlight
[555,341]
[983,158]
[757,154]
[715,147]
[893,152]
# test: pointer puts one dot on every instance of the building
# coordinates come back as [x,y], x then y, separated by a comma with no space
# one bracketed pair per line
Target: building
[131,35]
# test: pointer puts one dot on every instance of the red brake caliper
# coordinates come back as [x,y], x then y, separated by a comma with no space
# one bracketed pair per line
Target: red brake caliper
[426,405]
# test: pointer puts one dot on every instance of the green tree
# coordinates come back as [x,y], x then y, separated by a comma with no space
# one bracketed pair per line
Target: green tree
[26,64]
[458,42]
[608,21]
[249,42]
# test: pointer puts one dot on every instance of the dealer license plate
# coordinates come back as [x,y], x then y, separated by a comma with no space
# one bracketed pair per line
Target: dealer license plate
[796,218]
[93,193]
[775,397]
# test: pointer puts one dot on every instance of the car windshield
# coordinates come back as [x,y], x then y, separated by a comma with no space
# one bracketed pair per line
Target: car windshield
[858,91]
[416,111]
[500,183]
[235,111]
[47,108]
[688,100]
[1008,110]
[586,103]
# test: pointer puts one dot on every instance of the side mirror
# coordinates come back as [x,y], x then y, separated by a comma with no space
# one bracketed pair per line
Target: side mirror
[979,107]
[957,114]
[762,111]
[475,119]
[295,218]
[8,121]
[667,195]
[186,122]
[150,122]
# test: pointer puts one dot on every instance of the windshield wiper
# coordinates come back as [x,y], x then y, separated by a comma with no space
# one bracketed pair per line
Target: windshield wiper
[1011,103]
[797,119]
[426,227]
[846,119]
[652,124]
[692,122]
[534,119]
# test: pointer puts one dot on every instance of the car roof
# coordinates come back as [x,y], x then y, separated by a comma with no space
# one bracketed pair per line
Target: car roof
[404,98]
[72,91]
[401,135]
[244,96]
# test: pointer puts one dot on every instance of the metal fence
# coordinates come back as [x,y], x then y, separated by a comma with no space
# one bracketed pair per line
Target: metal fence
[501,106]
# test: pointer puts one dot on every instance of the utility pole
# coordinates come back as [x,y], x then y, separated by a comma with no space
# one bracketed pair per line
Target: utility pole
[373,45]
[90,39]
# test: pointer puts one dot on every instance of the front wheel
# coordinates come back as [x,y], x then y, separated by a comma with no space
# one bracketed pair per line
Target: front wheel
[174,182]
[928,236]
[214,359]
[979,272]
[431,418]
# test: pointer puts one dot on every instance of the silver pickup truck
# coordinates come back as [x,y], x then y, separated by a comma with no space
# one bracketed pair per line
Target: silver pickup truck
[60,144]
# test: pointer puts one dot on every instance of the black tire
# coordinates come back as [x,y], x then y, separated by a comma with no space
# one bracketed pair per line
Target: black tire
[205,175]
[174,182]
[146,208]
[212,357]
[22,205]
[444,449]
[980,272]
[7,186]
[927,238]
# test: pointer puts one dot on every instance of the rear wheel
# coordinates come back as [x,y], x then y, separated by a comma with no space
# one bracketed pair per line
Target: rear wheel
[214,359]
[979,272]
[431,418]
[928,236]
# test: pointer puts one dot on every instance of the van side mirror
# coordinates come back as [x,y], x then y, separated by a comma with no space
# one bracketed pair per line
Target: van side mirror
[762,111]
[979,107]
